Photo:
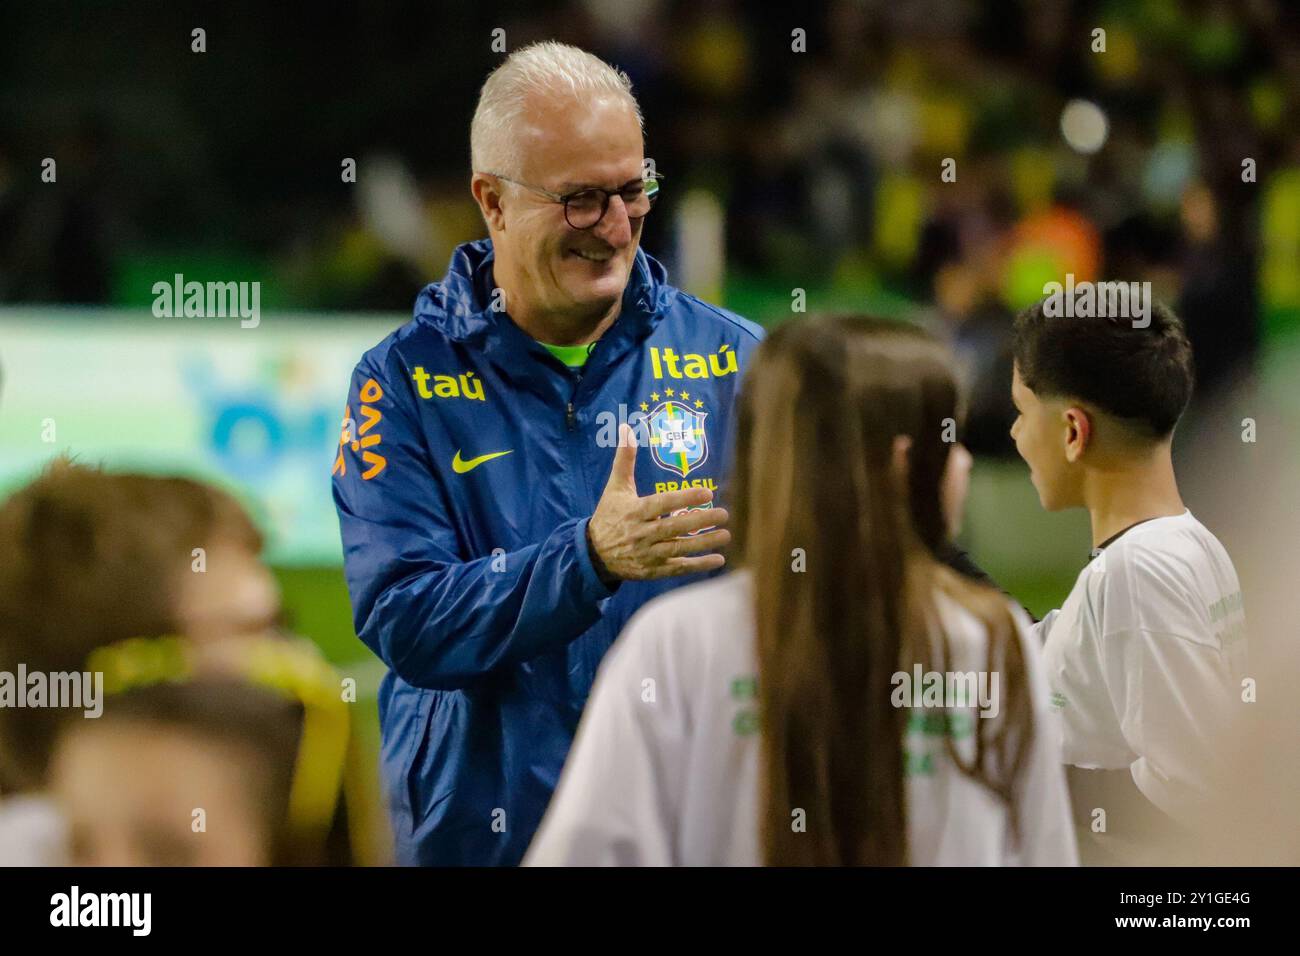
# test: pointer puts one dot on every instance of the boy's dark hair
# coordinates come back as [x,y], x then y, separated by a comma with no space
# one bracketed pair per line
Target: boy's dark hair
[1143,376]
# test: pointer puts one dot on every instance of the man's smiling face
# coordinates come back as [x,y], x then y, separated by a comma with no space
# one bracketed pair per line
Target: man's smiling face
[565,148]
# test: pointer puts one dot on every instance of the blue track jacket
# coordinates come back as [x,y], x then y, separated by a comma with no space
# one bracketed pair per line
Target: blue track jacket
[469,464]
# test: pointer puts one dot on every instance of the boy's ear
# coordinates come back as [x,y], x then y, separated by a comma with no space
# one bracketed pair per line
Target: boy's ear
[1078,433]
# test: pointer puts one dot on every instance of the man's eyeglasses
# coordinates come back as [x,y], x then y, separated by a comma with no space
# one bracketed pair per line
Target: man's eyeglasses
[583,208]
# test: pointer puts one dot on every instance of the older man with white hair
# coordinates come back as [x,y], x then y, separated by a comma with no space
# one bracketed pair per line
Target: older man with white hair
[499,525]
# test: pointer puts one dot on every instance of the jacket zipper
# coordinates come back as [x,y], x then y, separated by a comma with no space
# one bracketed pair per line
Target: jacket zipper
[570,417]
[570,421]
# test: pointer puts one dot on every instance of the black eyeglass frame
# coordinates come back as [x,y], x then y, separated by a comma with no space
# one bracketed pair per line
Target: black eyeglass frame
[649,185]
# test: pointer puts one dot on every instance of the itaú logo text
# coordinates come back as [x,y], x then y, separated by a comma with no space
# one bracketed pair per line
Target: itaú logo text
[666,362]
[447,386]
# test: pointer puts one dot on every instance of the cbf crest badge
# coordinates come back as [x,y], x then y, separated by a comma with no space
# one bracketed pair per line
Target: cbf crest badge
[678,441]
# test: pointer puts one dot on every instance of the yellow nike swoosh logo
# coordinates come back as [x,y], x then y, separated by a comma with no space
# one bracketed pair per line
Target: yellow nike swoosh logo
[460,467]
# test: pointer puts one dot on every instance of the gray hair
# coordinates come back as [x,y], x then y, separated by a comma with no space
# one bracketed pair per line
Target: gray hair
[547,69]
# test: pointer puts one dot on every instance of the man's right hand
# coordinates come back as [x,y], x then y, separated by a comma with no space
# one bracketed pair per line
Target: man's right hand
[630,541]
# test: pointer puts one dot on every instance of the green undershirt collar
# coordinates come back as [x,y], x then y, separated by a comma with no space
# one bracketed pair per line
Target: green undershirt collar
[574,356]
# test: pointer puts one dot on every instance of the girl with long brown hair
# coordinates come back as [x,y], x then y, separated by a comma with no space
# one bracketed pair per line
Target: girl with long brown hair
[818,706]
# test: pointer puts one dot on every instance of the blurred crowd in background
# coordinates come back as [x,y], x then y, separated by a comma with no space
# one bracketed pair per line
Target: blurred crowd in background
[820,153]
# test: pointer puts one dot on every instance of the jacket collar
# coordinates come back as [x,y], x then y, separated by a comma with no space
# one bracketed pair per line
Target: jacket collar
[460,307]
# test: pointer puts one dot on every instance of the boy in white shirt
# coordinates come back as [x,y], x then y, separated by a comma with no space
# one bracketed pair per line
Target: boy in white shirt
[1146,655]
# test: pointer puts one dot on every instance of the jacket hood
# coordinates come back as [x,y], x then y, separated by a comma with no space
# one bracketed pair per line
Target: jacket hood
[458,306]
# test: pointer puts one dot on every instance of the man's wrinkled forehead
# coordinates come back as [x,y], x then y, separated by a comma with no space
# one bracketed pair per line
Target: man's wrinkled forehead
[571,142]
